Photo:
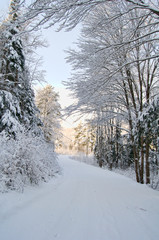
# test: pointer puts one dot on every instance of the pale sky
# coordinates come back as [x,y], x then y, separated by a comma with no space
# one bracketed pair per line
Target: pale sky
[54,57]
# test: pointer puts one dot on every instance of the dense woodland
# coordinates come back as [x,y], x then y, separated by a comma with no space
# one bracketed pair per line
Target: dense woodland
[114,81]
[26,138]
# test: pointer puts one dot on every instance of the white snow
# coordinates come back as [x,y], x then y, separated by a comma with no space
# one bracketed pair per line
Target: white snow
[83,203]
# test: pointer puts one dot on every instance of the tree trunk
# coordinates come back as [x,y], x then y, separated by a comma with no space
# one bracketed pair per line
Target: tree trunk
[147,164]
[142,162]
[136,161]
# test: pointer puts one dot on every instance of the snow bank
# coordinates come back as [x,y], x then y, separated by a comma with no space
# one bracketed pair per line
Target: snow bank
[127,172]
[27,160]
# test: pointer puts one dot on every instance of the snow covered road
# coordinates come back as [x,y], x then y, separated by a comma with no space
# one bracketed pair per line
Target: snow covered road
[84,203]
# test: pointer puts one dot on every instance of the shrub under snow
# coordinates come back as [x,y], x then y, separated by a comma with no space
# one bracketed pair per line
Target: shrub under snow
[27,160]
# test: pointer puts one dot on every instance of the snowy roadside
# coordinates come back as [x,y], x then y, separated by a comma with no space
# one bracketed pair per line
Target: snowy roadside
[128,172]
[28,160]
[90,160]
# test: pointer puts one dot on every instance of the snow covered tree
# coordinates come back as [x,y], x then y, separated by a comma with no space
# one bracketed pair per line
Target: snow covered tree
[109,149]
[31,42]
[148,121]
[17,108]
[69,13]
[26,158]
[114,79]
[84,138]
[47,103]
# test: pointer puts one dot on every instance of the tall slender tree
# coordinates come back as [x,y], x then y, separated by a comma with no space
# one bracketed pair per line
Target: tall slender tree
[17,108]
[47,103]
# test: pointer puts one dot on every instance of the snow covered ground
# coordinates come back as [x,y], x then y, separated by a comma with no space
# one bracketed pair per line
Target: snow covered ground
[83,203]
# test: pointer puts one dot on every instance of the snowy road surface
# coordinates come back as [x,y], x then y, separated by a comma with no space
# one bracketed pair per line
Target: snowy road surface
[84,203]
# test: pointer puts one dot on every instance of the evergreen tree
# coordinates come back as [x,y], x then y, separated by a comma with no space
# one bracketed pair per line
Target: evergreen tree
[147,128]
[17,108]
